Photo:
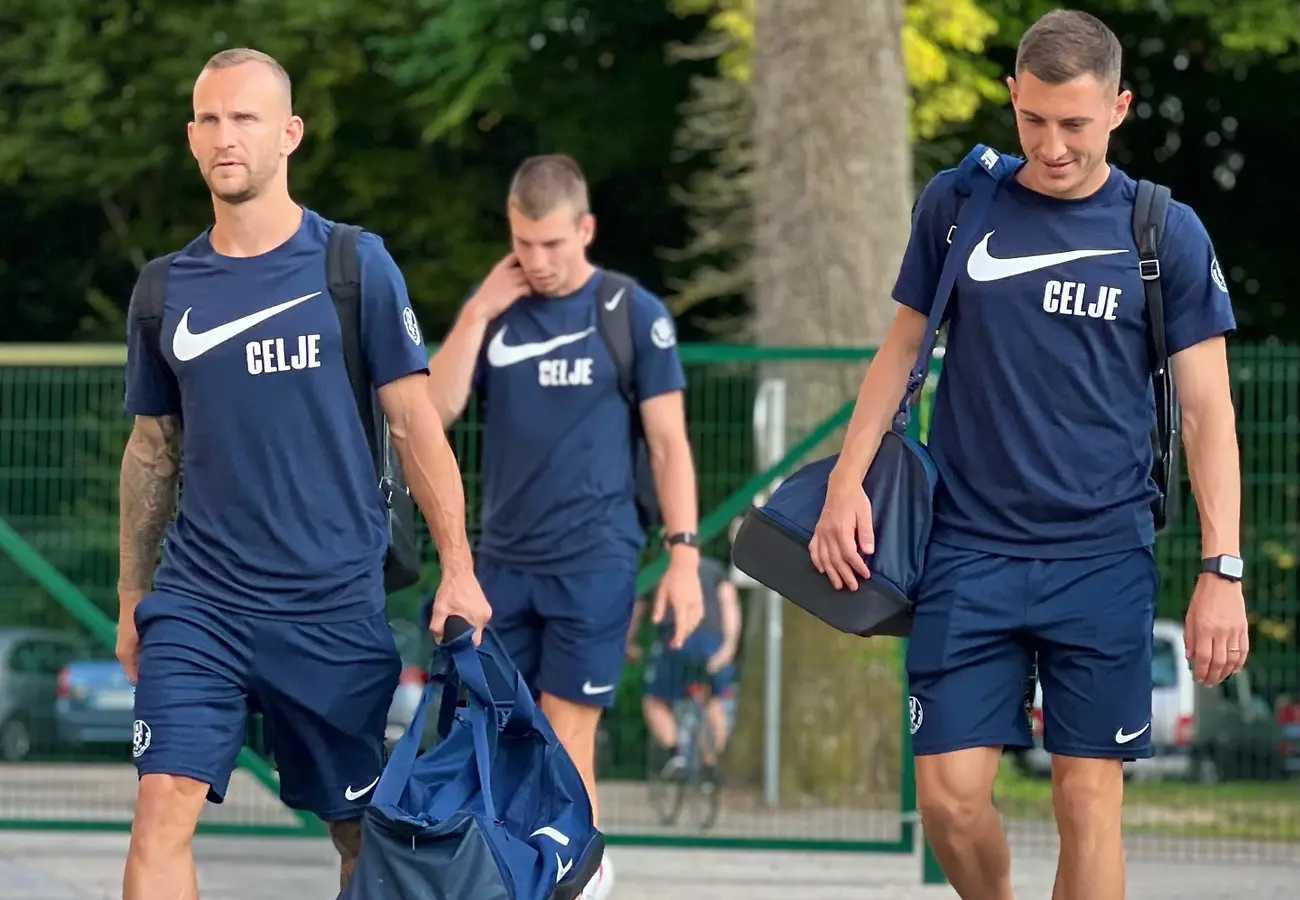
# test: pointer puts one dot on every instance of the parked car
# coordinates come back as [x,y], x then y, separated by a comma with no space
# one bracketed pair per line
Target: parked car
[30,661]
[1201,733]
[96,702]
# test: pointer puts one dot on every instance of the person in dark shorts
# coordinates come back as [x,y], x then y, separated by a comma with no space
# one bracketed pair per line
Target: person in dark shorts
[269,595]
[1042,544]
[708,655]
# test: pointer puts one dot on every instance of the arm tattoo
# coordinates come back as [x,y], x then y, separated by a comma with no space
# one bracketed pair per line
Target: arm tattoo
[147,496]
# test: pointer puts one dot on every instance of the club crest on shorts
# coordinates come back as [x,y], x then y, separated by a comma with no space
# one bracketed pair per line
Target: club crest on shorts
[141,737]
[915,714]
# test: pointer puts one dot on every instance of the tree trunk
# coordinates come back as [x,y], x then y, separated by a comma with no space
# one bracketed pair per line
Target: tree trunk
[833,193]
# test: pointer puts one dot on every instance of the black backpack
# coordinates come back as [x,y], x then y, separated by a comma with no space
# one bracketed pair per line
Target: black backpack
[614,321]
[343,274]
[1149,209]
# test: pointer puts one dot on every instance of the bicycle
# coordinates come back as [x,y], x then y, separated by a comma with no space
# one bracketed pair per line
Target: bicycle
[681,773]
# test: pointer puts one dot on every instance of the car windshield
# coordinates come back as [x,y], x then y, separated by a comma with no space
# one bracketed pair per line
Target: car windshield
[1164,665]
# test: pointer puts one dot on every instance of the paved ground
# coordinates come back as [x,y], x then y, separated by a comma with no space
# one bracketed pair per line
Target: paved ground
[106,793]
[71,866]
[54,865]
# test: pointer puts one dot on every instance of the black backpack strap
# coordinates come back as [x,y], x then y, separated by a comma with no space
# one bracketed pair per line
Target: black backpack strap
[614,321]
[1149,209]
[150,296]
[343,274]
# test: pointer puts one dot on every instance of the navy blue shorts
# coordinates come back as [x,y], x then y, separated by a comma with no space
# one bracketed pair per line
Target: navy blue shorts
[567,633]
[980,621]
[666,669]
[323,691]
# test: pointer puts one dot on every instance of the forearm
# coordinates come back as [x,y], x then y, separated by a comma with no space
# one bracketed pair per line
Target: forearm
[147,502]
[433,476]
[730,628]
[1210,439]
[674,476]
[878,398]
[638,613]
[451,370]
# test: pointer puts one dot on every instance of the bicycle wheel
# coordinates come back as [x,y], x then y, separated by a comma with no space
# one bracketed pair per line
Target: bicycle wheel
[706,779]
[668,776]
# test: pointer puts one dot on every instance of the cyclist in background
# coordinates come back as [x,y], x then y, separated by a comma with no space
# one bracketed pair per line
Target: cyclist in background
[708,654]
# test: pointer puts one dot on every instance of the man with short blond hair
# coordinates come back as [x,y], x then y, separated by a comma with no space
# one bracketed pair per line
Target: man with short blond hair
[560,528]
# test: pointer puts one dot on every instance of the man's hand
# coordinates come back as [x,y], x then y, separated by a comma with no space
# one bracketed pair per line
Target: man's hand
[459,594]
[843,528]
[679,590]
[503,286]
[1216,631]
[720,660]
[128,640]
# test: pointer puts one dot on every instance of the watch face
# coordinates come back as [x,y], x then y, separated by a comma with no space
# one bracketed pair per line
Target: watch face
[1231,566]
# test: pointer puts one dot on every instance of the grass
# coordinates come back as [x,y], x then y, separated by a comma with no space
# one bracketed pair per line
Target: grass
[1246,810]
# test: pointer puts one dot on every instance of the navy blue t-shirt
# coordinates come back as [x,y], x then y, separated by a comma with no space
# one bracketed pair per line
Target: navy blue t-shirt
[558,491]
[1044,408]
[280,510]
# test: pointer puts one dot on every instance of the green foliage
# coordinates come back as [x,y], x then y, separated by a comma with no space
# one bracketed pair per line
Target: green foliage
[1246,28]
[416,113]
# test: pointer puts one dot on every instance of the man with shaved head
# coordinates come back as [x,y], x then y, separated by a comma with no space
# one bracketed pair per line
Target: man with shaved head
[269,595]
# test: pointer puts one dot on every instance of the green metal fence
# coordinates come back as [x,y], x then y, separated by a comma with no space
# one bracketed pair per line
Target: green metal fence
[845,772]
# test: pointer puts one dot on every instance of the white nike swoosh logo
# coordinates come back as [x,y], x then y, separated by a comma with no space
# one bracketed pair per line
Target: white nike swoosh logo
[357,795]
[613,301]
[500,354]
[564,868]
[554,834]
[187,345]
[982,266]
[589,690]
[1122,738]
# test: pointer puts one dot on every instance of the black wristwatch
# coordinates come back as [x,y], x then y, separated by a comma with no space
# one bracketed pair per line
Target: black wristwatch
[1226,566]
[686,538]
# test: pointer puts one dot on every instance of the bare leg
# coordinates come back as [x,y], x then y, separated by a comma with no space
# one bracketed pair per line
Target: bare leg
[575,725]
[659,720]
[160,861]
[955,795]
[715,713]
[1088,798]
[346,836]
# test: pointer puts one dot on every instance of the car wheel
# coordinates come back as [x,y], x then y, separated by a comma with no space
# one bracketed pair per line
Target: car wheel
[15,741]
[1206,771]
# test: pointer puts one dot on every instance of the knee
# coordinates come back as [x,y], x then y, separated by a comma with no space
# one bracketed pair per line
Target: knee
[166,812]
[1087,794]
[651,705]
[954,791]
[573,723]
[951,813]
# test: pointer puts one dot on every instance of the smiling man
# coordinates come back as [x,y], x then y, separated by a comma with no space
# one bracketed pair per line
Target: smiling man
[269,595]
[561,531]
[1043,529]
